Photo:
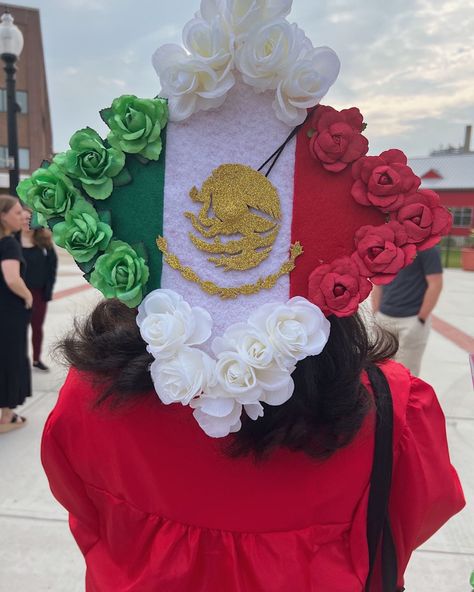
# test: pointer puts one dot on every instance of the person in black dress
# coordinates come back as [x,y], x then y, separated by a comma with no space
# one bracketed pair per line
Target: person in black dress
[15,304]
[41,265]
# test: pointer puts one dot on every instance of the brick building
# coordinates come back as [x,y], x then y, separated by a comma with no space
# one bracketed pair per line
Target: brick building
[34,122]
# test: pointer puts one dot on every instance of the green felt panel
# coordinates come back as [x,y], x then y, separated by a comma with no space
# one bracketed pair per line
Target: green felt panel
[137,210]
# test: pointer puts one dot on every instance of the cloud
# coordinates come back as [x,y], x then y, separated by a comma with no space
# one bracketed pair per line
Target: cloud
[408,65]
[94,5]
[341,17]
[117,82]
[168,32]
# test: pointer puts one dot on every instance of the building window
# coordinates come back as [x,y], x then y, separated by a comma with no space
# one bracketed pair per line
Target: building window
[23,157]
[3,157]
[21,99]
[462,217]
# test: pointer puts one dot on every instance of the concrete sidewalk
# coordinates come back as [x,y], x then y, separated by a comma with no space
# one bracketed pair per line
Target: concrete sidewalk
[37,552]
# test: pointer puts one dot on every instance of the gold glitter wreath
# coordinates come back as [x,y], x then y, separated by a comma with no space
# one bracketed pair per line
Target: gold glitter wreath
[265,283]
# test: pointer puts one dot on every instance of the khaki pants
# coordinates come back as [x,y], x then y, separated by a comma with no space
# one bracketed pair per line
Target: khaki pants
[412,335]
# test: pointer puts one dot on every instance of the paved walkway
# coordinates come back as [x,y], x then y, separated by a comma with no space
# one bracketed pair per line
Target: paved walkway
[37,553]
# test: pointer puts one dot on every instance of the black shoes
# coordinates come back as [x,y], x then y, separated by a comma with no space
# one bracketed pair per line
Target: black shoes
[40,366]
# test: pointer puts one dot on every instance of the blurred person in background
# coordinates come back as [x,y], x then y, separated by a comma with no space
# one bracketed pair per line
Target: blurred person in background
[405,305]
[41,266]
[15,310]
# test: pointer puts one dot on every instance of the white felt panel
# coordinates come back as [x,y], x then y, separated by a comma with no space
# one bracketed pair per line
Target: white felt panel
[245,131]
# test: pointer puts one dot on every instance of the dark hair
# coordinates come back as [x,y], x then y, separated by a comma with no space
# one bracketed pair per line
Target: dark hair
[325,412]
[42,237]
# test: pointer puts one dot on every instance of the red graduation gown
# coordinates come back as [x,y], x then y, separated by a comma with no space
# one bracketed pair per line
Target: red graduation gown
[156,505]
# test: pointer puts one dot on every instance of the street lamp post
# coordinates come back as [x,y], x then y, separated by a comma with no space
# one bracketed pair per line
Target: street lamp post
[11,44]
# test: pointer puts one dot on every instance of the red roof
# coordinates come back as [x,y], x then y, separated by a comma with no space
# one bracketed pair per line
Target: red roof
[432,174]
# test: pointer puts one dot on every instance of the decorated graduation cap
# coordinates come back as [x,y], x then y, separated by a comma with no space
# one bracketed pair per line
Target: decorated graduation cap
[237,212]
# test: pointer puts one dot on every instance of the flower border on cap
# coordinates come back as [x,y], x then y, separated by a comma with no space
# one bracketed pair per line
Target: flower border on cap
[253,361]
[415,218]
[64,195]
[253,40]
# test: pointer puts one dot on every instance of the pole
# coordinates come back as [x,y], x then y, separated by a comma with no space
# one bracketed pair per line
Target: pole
[448,248]
[12,108]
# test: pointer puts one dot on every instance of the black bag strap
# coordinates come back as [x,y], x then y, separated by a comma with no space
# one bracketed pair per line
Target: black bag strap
[378,525]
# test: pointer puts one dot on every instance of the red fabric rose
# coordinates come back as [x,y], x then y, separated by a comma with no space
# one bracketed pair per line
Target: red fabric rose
[424,219]
[338,288]
[383,181]
[382,251]
[337,140]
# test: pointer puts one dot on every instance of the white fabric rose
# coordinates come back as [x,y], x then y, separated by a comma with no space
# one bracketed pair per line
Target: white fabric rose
[217,416]
[276,383]
[242,15]
[167,323]
[237,378]
[184,376]
[252,345]
[296,329]
[254,364]
[210,41]
[254,37]
[189,83]
[269,51]
[254,410]
[305,84]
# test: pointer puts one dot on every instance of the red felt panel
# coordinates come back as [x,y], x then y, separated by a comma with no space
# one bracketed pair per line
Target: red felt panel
[325,216]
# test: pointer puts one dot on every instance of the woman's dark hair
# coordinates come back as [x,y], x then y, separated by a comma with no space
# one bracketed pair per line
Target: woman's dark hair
[325,412]
[42,237]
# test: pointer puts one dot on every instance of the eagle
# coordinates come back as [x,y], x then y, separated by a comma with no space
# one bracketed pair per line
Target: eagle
[234,198]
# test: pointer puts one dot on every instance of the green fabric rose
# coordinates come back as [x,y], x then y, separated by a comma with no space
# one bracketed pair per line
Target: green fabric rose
[91,162]
[120,273]
[49,193]
[136,125]
[82,234]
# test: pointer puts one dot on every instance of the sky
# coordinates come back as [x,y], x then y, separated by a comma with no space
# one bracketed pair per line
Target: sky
[407,64]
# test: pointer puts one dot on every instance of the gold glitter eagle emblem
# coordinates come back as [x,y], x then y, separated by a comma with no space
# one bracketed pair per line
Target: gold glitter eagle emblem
[236,201]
